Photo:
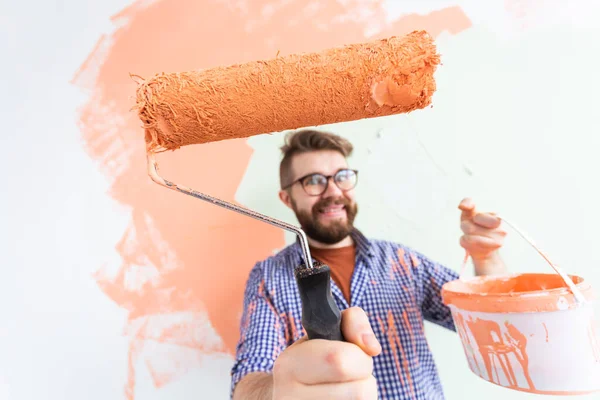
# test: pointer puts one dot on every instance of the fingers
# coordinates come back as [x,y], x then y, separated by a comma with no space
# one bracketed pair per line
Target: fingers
[357,329]
[483,233]
[489,228]
[467,206]
[479,244]
[487,220]
[324,361]
[360,389]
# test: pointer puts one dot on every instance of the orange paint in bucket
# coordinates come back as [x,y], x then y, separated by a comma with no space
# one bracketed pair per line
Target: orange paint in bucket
[529,332]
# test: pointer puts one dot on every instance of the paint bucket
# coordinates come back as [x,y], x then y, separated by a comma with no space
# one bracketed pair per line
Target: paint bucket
[529,332]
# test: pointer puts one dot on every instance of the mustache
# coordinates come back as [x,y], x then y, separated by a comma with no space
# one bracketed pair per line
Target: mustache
[331,201]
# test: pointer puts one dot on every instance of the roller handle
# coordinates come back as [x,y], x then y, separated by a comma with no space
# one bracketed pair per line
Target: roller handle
[321,317]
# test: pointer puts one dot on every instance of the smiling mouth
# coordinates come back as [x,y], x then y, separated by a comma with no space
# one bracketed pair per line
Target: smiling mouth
[333,211]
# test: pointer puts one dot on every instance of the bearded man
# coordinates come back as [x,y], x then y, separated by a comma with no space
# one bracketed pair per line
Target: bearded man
[384,289]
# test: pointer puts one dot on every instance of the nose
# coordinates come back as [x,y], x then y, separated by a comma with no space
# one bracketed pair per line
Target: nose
[332,189]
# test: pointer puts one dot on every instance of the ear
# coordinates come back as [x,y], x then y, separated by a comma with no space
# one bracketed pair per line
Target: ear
[284,196]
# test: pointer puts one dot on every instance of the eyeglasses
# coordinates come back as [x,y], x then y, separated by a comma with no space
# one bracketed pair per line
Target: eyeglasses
[316,184]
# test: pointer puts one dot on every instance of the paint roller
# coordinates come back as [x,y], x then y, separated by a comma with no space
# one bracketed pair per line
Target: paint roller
[353,82]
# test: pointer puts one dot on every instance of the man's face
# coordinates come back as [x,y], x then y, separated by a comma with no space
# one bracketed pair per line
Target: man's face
[327,218]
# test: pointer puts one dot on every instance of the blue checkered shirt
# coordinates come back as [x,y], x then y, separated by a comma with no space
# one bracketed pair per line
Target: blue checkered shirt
[397,287]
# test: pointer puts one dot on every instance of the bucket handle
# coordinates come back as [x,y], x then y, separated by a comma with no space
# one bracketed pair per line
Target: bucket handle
[576,292]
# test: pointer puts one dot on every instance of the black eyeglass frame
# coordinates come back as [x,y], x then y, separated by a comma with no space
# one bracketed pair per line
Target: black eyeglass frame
[327,177]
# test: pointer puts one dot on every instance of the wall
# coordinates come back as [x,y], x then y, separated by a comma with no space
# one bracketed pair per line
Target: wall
[115,288]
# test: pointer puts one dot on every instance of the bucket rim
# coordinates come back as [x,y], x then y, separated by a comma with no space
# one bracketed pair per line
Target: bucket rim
[456,293]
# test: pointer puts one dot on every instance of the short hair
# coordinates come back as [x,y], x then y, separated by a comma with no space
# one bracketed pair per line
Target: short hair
[307,140]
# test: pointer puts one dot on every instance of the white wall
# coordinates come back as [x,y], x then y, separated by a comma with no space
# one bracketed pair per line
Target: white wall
[516,106]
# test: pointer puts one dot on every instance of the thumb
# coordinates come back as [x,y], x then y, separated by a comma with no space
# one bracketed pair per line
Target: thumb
[467,206]
[357,330]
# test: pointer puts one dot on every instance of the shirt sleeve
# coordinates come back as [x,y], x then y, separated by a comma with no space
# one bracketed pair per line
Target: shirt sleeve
[262,336]
[431,276]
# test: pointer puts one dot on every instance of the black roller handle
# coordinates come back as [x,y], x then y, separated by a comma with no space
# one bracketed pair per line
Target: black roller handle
[321,317]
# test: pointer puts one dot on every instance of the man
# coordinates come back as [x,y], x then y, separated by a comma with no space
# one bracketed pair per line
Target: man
[385,290]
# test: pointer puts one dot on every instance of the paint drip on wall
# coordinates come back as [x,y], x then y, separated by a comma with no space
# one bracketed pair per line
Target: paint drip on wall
[184,263]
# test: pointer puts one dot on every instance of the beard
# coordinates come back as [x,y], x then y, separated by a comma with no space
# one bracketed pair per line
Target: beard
[332,232]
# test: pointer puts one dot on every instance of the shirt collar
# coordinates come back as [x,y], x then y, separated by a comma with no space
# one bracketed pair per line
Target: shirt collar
[364,247]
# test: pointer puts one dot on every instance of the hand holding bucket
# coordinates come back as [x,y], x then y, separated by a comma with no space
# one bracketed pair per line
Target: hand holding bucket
[529,332]
[483,234]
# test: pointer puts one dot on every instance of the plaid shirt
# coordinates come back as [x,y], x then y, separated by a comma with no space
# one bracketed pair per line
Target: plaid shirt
[397,288]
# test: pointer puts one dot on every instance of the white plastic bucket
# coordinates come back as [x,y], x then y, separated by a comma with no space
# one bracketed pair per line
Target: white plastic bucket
[535,333]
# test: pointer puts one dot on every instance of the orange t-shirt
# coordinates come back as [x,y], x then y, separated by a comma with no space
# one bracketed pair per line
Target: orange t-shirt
[341,263]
